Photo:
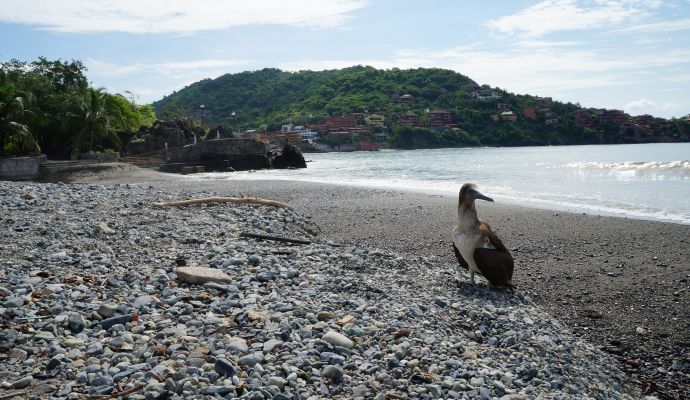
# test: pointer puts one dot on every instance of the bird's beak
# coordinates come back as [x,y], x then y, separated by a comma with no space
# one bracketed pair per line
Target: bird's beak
[478,195]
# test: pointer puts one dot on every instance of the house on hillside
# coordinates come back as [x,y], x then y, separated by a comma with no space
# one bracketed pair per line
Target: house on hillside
[530,113]
[616,117]
[486,94]
[409,119]
[645,120]
[375,119]
[341,123]
[508,116]
[585,119]
[543,101]
[438,117]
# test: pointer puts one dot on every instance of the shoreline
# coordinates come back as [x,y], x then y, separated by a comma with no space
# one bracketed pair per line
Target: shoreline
[604,277]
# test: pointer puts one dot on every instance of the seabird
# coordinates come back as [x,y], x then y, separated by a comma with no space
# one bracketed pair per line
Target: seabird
[476,246]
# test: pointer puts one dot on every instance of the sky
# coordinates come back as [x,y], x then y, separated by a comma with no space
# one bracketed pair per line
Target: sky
[625,54]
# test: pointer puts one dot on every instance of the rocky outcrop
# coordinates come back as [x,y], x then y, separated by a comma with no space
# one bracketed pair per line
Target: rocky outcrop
[219,155]
[173,133]
[291,157]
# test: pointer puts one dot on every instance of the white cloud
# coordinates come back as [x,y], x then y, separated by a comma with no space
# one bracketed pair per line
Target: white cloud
[155,80]
[665,26]
[105,69]
[567,15]
[649,107]
[174,16]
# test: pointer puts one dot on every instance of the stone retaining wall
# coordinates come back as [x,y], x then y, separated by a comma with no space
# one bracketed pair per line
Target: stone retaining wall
[19,168]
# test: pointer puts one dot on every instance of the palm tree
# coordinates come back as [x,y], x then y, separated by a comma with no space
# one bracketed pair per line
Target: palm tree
[94,119]
[14,107]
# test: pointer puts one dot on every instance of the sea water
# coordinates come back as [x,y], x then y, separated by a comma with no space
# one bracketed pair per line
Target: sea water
[647,181]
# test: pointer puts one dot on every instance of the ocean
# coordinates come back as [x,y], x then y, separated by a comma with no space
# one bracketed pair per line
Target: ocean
[645,181]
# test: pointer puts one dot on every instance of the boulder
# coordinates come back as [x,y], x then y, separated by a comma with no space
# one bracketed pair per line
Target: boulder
[291,157]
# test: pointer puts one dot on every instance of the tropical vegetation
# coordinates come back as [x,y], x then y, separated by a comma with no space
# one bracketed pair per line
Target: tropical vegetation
[49,104]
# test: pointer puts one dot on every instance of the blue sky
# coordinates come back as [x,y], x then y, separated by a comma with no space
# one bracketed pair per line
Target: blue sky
[626,54]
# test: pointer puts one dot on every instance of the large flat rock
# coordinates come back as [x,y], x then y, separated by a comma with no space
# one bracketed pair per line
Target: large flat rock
[201,275]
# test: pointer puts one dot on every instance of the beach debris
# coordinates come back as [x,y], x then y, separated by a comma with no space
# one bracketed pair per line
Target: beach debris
[274,238]
[102,227]
[257,315]
[233,200]
[346,320]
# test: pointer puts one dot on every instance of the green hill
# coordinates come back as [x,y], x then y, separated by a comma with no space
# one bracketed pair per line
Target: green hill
[269,98]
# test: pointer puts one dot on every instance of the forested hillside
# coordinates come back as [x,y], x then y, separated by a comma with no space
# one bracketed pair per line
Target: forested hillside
[269,98]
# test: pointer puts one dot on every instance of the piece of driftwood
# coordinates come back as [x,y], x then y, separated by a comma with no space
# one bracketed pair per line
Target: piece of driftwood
[233,200]
[275,238]
[11,395]
[284,239]
[126,392]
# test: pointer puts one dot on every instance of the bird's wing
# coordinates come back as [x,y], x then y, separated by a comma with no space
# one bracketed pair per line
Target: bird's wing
[461,260]
[491,235]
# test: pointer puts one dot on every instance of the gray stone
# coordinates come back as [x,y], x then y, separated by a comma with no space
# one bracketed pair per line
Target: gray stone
[250,359]
[107,310]
[254,259]
[333,373]
[276,381]
[13,302]
[201,275]
[23,382]
[337,339]
[271,344]
[76,323]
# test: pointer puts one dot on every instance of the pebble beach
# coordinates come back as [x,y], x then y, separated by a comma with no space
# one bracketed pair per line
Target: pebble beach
[104,295]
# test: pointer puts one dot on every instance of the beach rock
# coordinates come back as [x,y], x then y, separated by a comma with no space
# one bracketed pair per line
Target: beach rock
[333,373]
[23,382]
[337,339]
[224,368]
[202,275]
[291,157]
[107,310]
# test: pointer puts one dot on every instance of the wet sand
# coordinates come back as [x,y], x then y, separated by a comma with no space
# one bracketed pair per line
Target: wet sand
[622,283]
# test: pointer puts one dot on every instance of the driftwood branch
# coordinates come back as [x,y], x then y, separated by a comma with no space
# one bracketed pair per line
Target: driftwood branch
[11,395]
[275,238]
[284,239]
[233,200]
[126,392]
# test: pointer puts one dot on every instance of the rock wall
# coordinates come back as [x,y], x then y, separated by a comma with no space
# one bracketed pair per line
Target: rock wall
[222,154]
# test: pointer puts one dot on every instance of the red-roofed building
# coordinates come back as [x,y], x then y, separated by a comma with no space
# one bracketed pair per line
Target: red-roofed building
[530,112]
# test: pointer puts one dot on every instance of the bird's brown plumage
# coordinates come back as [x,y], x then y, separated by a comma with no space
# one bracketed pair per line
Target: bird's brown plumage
[496,265]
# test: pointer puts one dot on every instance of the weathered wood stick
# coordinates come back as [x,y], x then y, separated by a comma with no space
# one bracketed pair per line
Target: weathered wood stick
[126,392]
[284,239]
[11,395]
[276,238]
[233,200]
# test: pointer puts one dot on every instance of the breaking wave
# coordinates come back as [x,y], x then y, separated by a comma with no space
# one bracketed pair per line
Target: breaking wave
[632,165]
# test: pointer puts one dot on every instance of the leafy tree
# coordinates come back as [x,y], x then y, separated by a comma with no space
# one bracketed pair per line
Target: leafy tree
[14,107]
[94,121]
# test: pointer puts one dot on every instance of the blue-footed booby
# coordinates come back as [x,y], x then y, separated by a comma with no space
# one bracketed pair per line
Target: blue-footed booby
[476,246]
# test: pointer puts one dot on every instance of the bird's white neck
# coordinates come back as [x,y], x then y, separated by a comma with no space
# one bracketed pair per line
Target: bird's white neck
[467,216]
